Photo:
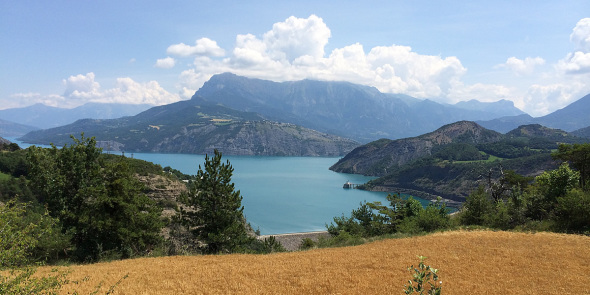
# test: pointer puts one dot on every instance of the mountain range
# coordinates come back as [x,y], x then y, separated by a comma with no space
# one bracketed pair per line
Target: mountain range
[350,110]
[41,116]
[12,129]
[336,110]
[570,118]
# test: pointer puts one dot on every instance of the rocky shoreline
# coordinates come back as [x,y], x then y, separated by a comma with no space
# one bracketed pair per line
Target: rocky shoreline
[292,241]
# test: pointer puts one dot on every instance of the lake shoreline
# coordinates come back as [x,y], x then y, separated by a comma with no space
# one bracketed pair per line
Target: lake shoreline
[415,193]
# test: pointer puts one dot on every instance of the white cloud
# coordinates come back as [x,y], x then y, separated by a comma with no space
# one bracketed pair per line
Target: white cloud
[128,91]
[165,63]
[522,66]
[543,99]
[203,46]
[578,62]
[295,49]
[581,35]
[296,37]
[19,100]
[575,63]
[81,86]
[81,89]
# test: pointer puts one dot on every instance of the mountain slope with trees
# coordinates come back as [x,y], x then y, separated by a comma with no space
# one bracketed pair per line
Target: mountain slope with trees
[455,159]
[197,126]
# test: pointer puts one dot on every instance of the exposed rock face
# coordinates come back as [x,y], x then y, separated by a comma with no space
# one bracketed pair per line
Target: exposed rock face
[377,157]
[198,127]
[257,138]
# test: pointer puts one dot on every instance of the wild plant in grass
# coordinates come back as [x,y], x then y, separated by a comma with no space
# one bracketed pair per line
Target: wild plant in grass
[422,277]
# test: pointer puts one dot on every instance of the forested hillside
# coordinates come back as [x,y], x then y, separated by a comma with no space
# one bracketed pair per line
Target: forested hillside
[200,127]
[455,159]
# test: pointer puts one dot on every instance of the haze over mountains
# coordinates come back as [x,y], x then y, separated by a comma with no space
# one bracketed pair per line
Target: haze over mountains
[359,112]
[570,118]
[42,117]
[343,109]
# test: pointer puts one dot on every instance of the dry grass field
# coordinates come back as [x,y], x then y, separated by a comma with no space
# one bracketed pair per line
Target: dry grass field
[476,262]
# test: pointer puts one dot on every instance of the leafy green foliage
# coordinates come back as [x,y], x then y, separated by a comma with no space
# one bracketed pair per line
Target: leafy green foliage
[579,157]
[425,280]
[553,202]
[476,207]
[99,204]
[572,212]
[18,238]
[216,216]
[375,219]
[13,163]
[458,152]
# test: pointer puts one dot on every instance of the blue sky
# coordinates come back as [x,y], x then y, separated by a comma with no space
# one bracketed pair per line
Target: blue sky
[66,53]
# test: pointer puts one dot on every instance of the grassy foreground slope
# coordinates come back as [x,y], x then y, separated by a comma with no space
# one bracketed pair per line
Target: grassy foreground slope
[476,262]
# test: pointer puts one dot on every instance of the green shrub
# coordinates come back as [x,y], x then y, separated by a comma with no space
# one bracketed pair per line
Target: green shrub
[476,207]
[306,244]
[421,279]
[572,212]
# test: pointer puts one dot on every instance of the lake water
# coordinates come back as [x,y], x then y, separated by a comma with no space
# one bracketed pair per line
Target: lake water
[282,194]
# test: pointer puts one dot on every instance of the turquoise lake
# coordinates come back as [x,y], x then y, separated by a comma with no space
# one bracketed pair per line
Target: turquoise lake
[282,194]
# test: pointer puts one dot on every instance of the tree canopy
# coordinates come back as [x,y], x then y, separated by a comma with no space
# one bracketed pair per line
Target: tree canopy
[216,213]
[99,204]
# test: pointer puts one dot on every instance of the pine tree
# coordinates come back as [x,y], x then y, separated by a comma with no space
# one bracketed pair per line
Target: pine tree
[216,217]
[99,204]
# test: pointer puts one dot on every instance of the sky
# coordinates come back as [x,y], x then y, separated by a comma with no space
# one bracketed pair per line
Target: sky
[67,53]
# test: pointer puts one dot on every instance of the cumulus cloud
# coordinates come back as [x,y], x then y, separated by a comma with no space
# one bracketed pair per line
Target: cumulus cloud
[578,62]
[165,63]
[295,49]
[81,89]
[203,46]
[581,35]
[296,37]
[522,66]
[81,86]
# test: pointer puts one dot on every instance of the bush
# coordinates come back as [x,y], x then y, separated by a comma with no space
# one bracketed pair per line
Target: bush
[433,217]
[572,212]
[476,207]
[306,244]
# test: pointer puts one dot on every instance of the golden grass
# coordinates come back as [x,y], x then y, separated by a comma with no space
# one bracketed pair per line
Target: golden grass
[478,262]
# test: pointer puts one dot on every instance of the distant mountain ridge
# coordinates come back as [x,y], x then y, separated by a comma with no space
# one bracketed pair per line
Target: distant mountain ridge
[199,127]
[42,116]
[356,111]
[570,118]
[12,129]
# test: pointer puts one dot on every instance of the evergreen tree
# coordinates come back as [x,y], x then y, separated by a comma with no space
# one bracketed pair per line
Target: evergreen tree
[216,216]
[100,205]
